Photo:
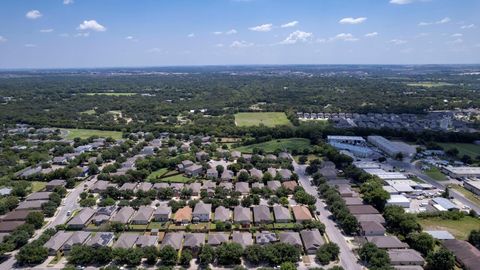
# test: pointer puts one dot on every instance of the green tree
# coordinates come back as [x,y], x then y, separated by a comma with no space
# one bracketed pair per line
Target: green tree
[207,255]
[474,238]
[151,254]
[441,260]
[229,253]
[421,242]
[36,219]
[288,266]
[327,253]
[32,255]
[279,253]
[186,257]
[168,255]
[254,254]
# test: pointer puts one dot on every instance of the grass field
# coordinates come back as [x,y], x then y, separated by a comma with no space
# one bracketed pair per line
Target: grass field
[89,112]
[111,94]
[37,186]
[86,133]
[459,228]
[157,174]
[269,119]
[436,174]
[470,149]
[271,146]
[429,84]
[179,178]
[468,194]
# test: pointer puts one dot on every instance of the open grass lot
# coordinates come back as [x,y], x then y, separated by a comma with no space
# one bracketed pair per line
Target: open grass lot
[179,178]
[269,119]
[157,174]
[436,174]
[86,133]
[37,186]
[429,84]
[459,228]
[89,112]
[271,146]
[111,94]
[468,194]
[469,149]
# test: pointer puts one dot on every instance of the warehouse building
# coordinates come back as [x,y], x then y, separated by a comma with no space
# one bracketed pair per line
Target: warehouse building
[354,144]
[459,172]
[473,186]
[390,148]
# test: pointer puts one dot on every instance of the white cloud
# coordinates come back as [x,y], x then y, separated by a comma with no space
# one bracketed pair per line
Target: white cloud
[241,44]
[400,2]
[457,35]
[131,38]
[29,45]
[372,34]
[67,2]
[85,34]
[398,41]
[344,37]
[217,33]
[33,14]
[350,20]
[2,39]
[297,36]
[46,30]
[262,28]
[289,24]
[231,32]
[191,35]
[456,41]
[468,26]
[442,21]
[92,25]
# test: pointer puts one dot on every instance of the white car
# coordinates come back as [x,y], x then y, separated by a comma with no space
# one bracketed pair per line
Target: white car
[69,213]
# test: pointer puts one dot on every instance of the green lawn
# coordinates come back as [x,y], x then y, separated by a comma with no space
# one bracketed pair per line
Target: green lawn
[86,133]
[436,174]
[429,84]
[110,94]
[179,178]
[157,174]
[459,228]
[271,146]
[468,194]
[269,119]
[89,112]
[470,149]
[37,186]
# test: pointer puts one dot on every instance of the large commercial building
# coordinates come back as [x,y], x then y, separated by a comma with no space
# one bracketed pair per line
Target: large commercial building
[459,172]
[473,186]
[354,144]
[390,148]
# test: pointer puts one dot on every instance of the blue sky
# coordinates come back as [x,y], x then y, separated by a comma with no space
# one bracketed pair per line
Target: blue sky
[116,33]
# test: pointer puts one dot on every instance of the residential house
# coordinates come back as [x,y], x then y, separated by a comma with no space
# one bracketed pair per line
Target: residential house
[242,238]
[183,215]
[386,242]
[301,213]
[312,240]
[10,226]
[256,173]
[143,215]
[290,185]
[161,185]
[282,214]
[372,228]
[271,157]
[202,155]
[272,171]
[292,238]
[467,255]
[265,237]
[194,241]
[242,187]
[212,173]
[50,186]
[80,220]
[173,239]
[222,214]
[145,186]
[147,241]
[194,170]
[353,201]
[258,185]
[235,154]
[195,187]
[226,185]
[201,212]
[128,187]
[17,215]
[56,242]
[261,214]
[242,215]
[5,191]
[103,214]
[126,240]
[362,209]
[162,213]
[217,238]
[274,185]
[227,175]
[77,238]
[100,186]
[39,196]
[101,239]
[31,205]
[285,174]
[123,215]
[185,164]
[405,257]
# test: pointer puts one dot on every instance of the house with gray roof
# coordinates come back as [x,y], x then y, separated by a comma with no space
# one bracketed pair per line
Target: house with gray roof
[146,241]
[31,205]
[77,238]
[312,240]
[217,238]
[242,215]
[100,239]
[195,187]
[226,185]
[242,187]
[194,170]
[39,196]
[285,174]
[202,155]
[212,173]
[265,237]
[5,191]
[227,175]
[386,242]
[56,242]
[282,214]
[202,212]
[256,173]
[273,185]
[162,213]
[128,186]
[261,214]
[405,257]
[272,171]
[372,228]
[158,186]
[126,240]
[145,186]
[123,215]
[243,238]
[236,154]
[185,164]
[194,241]
[258,185]
[55,183]
[292,238]
[173,239]
[99,186]
[80,220]
[143,215]
[222,214]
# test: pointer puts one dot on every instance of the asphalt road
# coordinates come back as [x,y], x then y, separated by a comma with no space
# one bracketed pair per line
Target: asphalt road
[69,203]
[347,258]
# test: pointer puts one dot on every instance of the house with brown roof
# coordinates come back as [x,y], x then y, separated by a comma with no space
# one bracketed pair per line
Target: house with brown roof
[465,253]
[312,240]
[386,242]
[301,213]
[290,185]
[183,215]
[372,228]
[9,226]
[17,215]
[405,257]
[362,209]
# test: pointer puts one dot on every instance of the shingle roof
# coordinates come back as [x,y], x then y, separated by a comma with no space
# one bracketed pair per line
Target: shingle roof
[301,213]
[202,208]
[292,238]
[217,238]
[194,240]
[123,215]
[82,217]
[362,209]
[126,240]
[222,213]
[281,213]
[173,239]
[242,238]
[386,242]
[261,213]
[405,256]
[242,214]
[57,241]
[465,253]
[100,239]
[274,185]
[78,237]
[184,213]
[312,239]
[147,240]
[143,213]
